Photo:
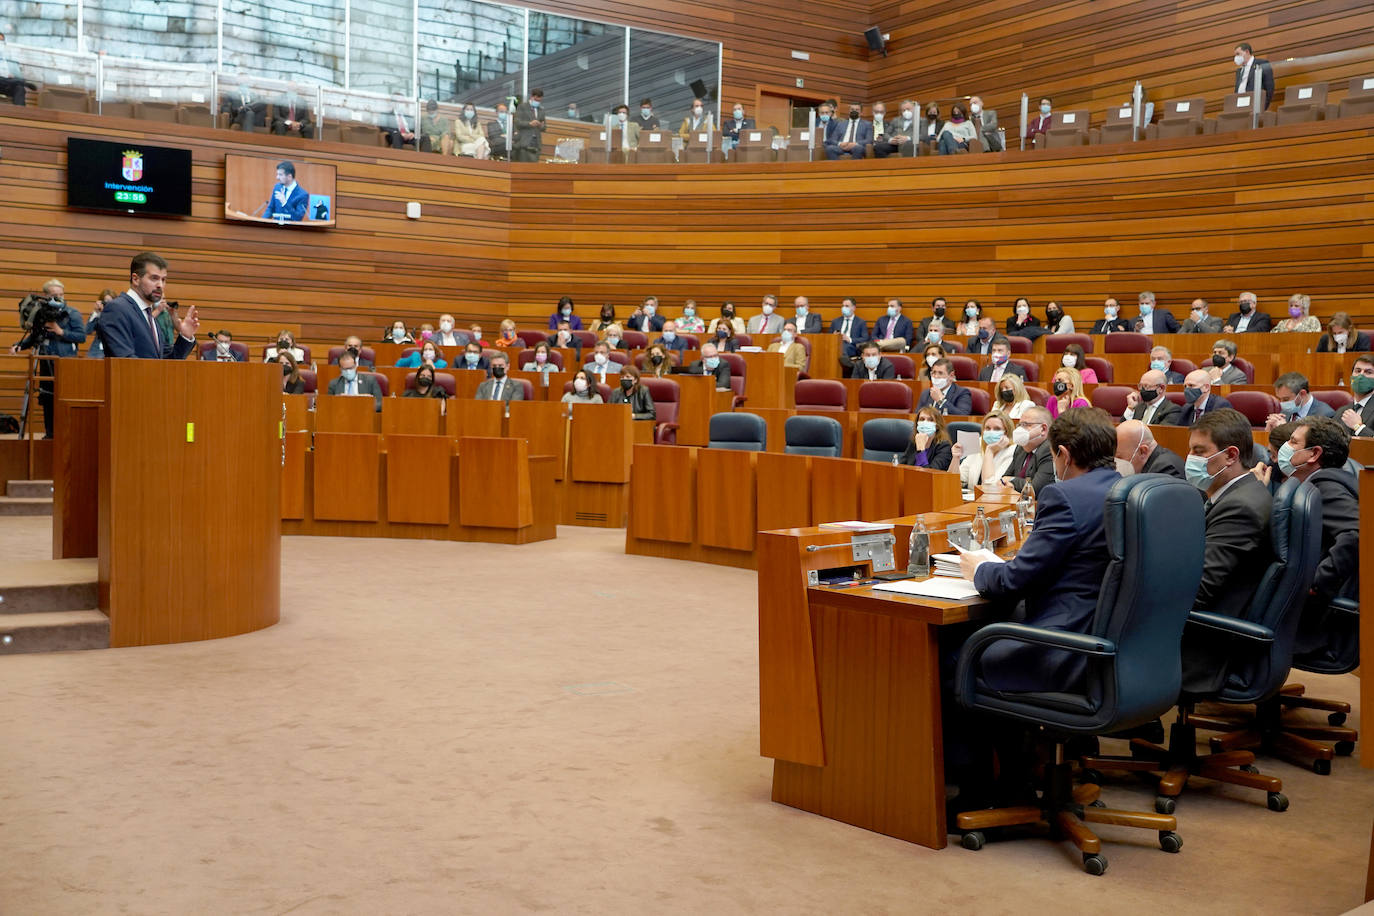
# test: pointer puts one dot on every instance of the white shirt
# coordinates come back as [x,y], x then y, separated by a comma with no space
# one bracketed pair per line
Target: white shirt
[1244,83]
[1147,323]
[1224,487]
[1243,323]
[148,312]
[849,131]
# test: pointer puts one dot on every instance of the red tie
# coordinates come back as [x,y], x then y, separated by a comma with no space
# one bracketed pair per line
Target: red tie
[1025,465]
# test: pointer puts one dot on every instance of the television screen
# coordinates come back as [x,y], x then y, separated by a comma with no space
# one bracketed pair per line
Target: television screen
[128,177]
[288,192]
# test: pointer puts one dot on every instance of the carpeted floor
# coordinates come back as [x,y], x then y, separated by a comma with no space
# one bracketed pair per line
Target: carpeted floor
[459,728]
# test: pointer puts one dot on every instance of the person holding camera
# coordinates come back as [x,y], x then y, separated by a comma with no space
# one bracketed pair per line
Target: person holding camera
[54,328]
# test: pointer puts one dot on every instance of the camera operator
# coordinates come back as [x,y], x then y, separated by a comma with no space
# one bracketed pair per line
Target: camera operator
[58,334]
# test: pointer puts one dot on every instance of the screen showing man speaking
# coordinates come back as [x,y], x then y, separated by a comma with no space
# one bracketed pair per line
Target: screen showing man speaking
[128,177]
[287,192]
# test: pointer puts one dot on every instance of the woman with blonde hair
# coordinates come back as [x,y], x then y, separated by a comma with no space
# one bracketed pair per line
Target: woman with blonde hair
[1068,391]
[986,466]
[1012,399]
[1299,319]
[507,338]
[657,362]
[613,336]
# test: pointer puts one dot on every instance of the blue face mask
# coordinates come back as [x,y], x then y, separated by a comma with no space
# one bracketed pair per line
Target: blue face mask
[711,362]
[983,334]
[892,311]
[1159,365]
[1145,309]
[688,313]
[1195,469]
[925,428]
[801,311]
[1285,459]
[349,374]
[992,436]
[825,118]
[1288,406]
[846,310]
[471,358]
[1044,109]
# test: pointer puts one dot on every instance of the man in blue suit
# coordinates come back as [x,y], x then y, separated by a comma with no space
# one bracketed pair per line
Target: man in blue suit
[671,339]
[943,394]
[128,326]
[1198,398]
[1058,571]
[848,139]
[288,200]
[894,330]
[853,331]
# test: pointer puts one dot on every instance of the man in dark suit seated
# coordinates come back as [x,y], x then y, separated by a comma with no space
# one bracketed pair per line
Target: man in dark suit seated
[849,139]
[288,200]
[853,332]
[646,319]
[938,318]
[1163,360]
[1148,403]
[1030,462]
[1198,397]
[1153,319]
[1223,370]
[987,333]
[1295,401]
[943,394]
[352,383]
[1001,364]
[1111,320]
[129,325]
[1238,548]
[671,339]
[354,344]
[1136,445]
[1359,417]
[224,349]
[245,111]
[1199,322]
[808,322]
[563,338]
[711,364]
[499,133]
[893,331]
[872,364]
[499,387]
[292,118]
[1247,317]
[473,359]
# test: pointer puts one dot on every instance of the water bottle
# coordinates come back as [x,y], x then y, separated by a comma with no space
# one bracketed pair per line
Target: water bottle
[982,531]
[918,558]
[1023,518]
[895,460]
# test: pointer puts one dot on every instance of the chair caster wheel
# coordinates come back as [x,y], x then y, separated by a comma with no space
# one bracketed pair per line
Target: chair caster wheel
[973,840]
[1170,841]
[1321,767]
[1345,748]
[1165,804]
[1099,803]
[1091,777]
[1154,732]
[1278,801]
[1336,718]
[1249,768]
[1094,864]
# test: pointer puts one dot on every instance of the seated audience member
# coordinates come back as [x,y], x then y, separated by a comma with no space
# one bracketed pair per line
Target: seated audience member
[626,129]
[1267,471]
[1031,463]
[1136,445]
[893,332]
[793,353]
[724,338]
[880,128]
[1223,371]
[1074,358]
[398,334]
[727,316]
[985,122]
[291,381]
[1057,574]
[1359,417]
[938,319]
[469,136]
[564,312]
[425,386]
[690,322]
[670,339]
[1067,389]
[768,321]
[1341,337]
[354,344]
[852,330]
[1199,321]
[246,111]
[475,335]
[1111,320]
[1000,363]
[539,360]
[631,392]
[584,390]
[1238,543]
[1021,320]
[1148,403]
[426,331]
[645,317]
[987,466]
[613,336]
[973,310]
[287,341]
[224,350]
[473,358]
[399,129]
[607,319]
[438,130]
[1299,317]
[657,362]
[730,128]
[646,119]
[1010,397]
[1056,321]
[1153,319]
[1163,360]
[943,394]
[808,322]
[563,338]
[446,336]
[601,364]
[898,133]
[497,387]
[931,125]
[957,132]
[929,446]
[699,120]
[1198,398]
[1040,122]
[849,139]
[984,335]
[931,354]
[12,82]
[1247,317]
[507,337]
[351,382]
[427,355]
[499,133]
[711,364]
[872,364]
[1295,401]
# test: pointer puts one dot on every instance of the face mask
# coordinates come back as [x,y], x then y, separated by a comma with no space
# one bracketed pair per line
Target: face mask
[722,333]
[1341,338]
[848,310]
[879,115]
[932,359]
[1058,475]
[933,336]
[349,374]
[398,336]
[824,118]
[767,309]
[285,369]
[976,108]
[535,103]
[1240,60]
[428,355]
[626,384]
[508,333]
[1023,310]
[1145,309]
[352,350]
[970,312]
[1110,311]
[572,112]
[623,117]
[728,313]
[541,357]
[906,114]
[1159,365]
[1061,388]
[992,436]
[645,112]
[854,114]
[471,358]
[600,359]
[739,114]
[1190,395]
[696,110]
[1294,311]
[1195,469]
[656,359]
[498,371]
[892,311]
[999,358]
[984,333]
[579,385]
[711,362]
[939,311]
[688,312]
[1148,394]
[1044,109]
[1245,308]
[1007,395]
[501,116]
[1020,437]
[650,309]
[801,311]
[1068,361]
[567,312]
[785,337]
[222,348]
[469,114]
[1218,360]
[446,326]
[871,361]
[285,344]
[957,117]
[1290,406]
[925,428]
[564,334]
[1361,384]
[1054,316]
[422,382]
[932,115]
[940,383]
[670,336]
[613,341]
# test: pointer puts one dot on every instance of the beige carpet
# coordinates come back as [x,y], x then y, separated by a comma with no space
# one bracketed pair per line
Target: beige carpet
[460,728]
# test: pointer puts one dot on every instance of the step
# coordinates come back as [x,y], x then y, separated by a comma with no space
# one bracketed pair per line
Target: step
[33,489]
[39,586]
[54,631]
[14,506]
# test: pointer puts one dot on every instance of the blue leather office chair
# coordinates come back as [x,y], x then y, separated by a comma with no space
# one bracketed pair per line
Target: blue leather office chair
[955,427]
[1259,651]
[742,432]
[886,437]
[820,436]
[1134,672]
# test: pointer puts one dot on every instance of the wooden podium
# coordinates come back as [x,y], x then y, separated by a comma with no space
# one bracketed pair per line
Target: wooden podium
[187,460]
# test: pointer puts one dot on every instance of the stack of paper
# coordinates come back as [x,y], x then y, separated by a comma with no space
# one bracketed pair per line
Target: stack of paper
[947,589]
[946,564]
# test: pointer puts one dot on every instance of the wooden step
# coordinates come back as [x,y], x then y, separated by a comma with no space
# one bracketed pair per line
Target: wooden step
[54,631]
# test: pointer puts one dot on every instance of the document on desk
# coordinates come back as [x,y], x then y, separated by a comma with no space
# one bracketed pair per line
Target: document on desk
[938,587]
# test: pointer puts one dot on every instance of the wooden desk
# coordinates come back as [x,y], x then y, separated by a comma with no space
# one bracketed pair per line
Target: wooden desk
[698,399]
[1367,601]
[600,446]
[767,382]
[343,414]
[297,414]
[542,425]
[412,416]
[467,417]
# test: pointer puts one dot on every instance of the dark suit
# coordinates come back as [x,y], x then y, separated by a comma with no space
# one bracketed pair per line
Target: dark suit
[124,333]
[886,145]
[529,139]
[1166,411]
[1186,415]
[1014,328]
[1366,417]
[1315,409]
[886,327]
[1109,325]
[986,125]
[1041,470]
[677,343]
[1162,321]
[977,346]
[286,111]
[483,364]
[1359,345]
[1321,632]
[858,333]
[1163,461]
[958,401]
[884,371]
[498,138]
[985,375]
[1266,80]
[721,372]
[366,385]
[1259,321]
[947,326]
[234,357]
[729,127]
[939,454]
[863,135]
[1058,574]
[574,344]
[637,323]
[293,209]
[49,344]
[511,390]
[811,324]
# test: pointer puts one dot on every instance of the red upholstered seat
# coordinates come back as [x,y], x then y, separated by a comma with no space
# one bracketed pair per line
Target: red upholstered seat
[1244,365]
[982,401]
[1336,400]
[885,396]
[586,338]
[443,379]
[737,365]
[1040,396]
[694,342]
[665,393]
[311,382]
[1032,369]
[1055,343]
[531,338]
[965,368]
[1111,398]
[383,383]
[1182,366]
[635,340]
[1020,344]
[524,383]
[1256,405]
[1127,342]
[1106,373]
[905,365]
[1176,397]
[744,340]
[619,357]
[821,394]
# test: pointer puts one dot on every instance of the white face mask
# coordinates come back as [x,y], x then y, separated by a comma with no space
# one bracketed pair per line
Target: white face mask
[697,111]
[976,108]
[932,359]
[1341,338]
[1022,310]
[601,359]
[222,348]
[1240,60]
[941,383]
[579,385]
[1020,437]
[446,326]
[1069,361]
[623,117]
[767,309]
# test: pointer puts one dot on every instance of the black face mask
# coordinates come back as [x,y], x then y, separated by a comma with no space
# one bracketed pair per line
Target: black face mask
[1007,395]
[626,384]
[1054,316]
[354,351]
[1218,360]
[939,311]
[1061,388]
[854,114]
[285,369]
[1148,394]
[728,313]
[423,382]
[1245,308]
[498,371]
[656,359]
[607,316]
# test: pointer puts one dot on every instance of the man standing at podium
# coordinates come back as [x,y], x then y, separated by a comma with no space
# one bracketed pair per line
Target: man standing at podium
[288,199]
[128,326]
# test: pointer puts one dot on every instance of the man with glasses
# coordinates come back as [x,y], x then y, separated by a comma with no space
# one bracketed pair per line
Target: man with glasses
[1032,463]
[1148,403]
